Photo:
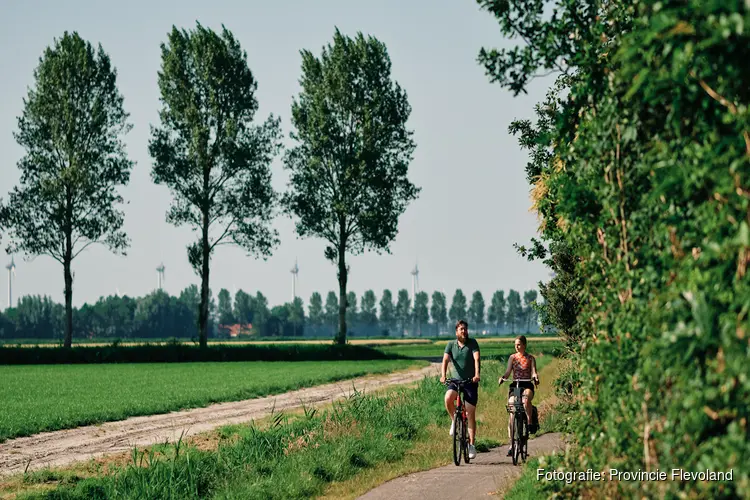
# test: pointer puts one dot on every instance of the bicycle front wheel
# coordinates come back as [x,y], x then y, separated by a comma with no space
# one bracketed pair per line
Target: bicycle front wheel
[465,440]
[518,438]
[457,435]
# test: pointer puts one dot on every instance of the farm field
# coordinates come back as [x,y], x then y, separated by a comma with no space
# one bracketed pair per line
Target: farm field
[40,398]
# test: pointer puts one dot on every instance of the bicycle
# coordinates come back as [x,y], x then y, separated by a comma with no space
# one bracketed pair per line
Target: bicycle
[461,427]
[520,430]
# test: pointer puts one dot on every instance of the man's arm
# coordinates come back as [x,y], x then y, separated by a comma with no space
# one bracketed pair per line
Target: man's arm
[444,367]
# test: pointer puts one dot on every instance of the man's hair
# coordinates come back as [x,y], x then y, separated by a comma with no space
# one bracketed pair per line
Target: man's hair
[462,322]
[522,338]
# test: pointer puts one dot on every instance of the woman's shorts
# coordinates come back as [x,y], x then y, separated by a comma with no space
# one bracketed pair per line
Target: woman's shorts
[524,385]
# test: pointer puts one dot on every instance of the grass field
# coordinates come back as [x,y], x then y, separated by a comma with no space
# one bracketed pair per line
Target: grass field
[39,398]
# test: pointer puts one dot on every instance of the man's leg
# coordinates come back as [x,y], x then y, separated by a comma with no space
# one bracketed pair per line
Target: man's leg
[472,396]
[471,412]
[450,406]
[450,401]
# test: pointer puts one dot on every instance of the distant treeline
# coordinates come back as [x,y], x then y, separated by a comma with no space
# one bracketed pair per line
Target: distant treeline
[160,315]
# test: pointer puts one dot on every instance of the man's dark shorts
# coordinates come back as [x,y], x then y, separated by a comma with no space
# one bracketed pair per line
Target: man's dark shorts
[470,391]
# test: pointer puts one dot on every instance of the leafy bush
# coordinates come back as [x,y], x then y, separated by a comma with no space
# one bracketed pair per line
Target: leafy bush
[641,167]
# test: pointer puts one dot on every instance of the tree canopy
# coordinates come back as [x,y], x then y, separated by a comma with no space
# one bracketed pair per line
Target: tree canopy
[207,151]
[71,129]
[348,169]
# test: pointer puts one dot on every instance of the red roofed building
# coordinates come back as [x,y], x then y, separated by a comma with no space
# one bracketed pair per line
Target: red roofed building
[236,330]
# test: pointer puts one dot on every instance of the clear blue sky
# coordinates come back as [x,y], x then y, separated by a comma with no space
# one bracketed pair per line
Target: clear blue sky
[474,202]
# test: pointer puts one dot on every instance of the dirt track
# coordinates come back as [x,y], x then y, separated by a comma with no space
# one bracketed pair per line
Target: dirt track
[60,448]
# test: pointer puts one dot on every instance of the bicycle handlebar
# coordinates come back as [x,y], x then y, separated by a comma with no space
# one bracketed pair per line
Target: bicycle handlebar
[517,381]
[459,381]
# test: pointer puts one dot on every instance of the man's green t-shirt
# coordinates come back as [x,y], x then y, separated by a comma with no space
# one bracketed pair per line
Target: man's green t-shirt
[462,365]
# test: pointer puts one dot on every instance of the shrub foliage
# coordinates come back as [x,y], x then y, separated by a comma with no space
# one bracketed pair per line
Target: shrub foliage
[640,166]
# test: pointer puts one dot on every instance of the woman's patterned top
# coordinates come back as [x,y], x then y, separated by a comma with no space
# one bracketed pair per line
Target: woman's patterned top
[521,366]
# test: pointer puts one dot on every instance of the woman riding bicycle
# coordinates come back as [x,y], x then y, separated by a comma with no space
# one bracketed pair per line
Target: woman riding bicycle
[523,366]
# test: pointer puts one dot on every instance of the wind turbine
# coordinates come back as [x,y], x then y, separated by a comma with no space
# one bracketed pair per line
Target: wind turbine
[295,272]
[414,288]
[11,270]
[414,282]
[445,297]
[160,271]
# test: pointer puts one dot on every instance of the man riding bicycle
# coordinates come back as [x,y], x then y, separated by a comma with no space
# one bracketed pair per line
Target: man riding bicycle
[523,366]
[463,353]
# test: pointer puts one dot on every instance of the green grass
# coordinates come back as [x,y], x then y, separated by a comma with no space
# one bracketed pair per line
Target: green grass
[296,458]
[293,457]
[49,397]
[527,486]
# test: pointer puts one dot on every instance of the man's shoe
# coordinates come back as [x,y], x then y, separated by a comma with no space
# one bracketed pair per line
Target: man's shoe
[453,428]
[472,451]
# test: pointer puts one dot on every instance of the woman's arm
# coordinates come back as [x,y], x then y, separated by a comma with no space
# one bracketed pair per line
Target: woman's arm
[507,372]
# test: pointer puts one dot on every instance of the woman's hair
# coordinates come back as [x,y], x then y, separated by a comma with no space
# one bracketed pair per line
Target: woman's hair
[522,338]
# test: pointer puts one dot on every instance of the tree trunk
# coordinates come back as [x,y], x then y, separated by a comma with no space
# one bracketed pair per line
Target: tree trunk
[68,303]
[203,312]
[67,259]
[341,336]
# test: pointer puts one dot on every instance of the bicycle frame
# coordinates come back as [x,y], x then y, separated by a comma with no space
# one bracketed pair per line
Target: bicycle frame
[461,424]
[519,430]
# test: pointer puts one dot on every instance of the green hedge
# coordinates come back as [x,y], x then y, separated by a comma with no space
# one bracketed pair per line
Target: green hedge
[179,353]
[640,160]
